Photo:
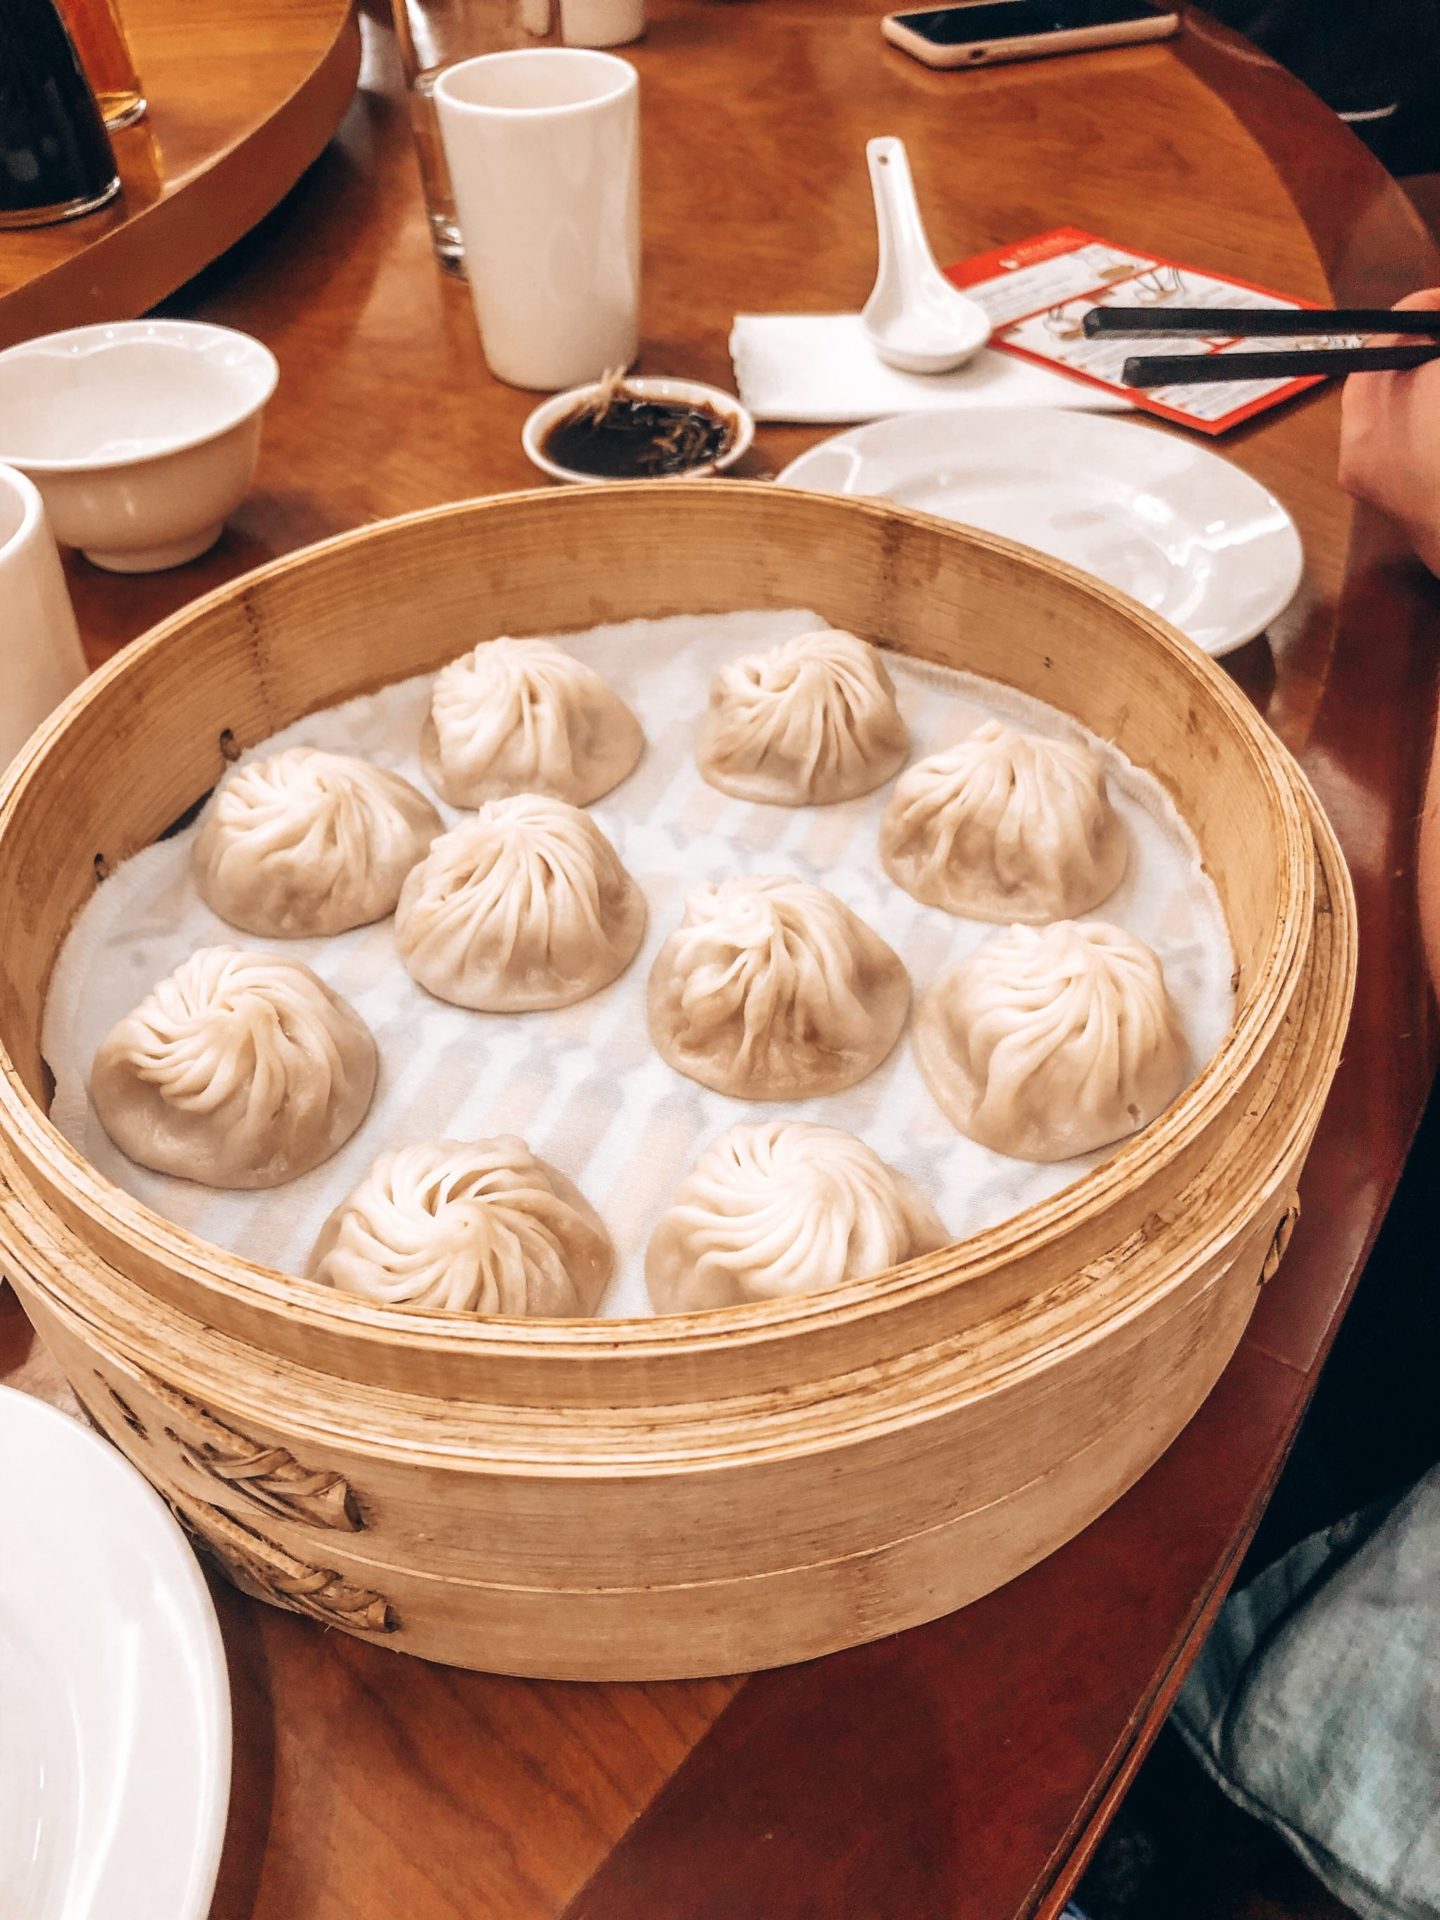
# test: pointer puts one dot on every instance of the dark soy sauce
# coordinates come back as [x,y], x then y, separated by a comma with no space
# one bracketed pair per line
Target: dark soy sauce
[620,435]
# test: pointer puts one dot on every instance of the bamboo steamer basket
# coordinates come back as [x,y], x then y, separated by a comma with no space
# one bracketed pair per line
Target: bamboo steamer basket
[648,1499]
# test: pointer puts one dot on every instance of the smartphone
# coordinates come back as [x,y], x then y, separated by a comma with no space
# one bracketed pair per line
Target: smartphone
[982,32]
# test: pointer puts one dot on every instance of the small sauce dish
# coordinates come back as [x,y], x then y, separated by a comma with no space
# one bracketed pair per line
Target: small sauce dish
[703,414]
[142,435]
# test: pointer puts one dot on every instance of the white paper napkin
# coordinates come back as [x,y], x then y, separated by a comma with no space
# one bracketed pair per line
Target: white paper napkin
[819,369]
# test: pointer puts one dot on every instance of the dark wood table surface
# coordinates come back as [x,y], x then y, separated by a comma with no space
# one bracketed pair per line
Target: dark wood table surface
[243,95]
[966,1768]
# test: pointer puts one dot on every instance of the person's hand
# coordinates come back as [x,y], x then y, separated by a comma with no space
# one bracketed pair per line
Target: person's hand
[1390,444]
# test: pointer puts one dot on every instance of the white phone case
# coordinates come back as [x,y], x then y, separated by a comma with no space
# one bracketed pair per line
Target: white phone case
[1026,46]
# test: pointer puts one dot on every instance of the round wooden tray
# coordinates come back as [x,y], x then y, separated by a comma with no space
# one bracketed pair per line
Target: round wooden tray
[645,1498]
[243,95]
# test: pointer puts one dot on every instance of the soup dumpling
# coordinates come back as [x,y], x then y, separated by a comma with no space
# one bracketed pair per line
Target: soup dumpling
[781,1208]
[813,720]
[1048,1042]
[305,842]
[770,989]
[238,1070]
[1005,826]
[525,716]
[525,906]
[474,1226]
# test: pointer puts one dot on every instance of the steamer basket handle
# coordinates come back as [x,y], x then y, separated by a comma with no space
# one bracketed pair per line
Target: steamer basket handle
[1284,1228]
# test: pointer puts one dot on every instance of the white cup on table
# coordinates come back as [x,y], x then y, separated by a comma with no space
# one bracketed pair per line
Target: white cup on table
[41,659]
[601,23]
[543,147]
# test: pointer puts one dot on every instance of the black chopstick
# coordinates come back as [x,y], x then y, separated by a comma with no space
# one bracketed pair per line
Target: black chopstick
[1257,323]
[1197,369]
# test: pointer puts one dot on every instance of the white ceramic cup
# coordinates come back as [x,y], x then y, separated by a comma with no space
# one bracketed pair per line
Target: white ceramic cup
[543,147]
[601,23]
[40,654]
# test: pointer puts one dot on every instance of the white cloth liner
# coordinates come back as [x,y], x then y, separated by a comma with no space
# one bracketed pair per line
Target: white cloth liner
[818,369]
[583,1085]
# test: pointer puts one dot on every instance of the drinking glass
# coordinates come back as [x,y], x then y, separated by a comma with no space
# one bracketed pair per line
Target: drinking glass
[434,34]
[55,155]
[99,36]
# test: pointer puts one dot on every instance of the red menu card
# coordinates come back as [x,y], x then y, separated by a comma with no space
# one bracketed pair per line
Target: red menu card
[1038,292]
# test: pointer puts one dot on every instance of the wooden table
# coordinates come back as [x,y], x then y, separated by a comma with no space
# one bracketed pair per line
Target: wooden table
[963,1769]
[243,95]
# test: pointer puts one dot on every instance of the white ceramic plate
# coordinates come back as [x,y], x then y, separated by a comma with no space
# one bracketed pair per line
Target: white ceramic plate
[114,1702]
[1170,523]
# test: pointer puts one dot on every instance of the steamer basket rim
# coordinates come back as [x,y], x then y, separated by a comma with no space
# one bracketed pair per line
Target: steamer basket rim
[35,1141]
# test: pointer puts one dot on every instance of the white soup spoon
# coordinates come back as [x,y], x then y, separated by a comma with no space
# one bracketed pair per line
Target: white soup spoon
[914,319]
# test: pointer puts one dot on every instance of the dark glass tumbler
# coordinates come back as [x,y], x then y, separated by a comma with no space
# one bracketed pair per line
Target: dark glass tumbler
[55,155]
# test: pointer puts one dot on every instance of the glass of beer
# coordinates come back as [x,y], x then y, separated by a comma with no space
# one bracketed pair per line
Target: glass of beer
[99,36]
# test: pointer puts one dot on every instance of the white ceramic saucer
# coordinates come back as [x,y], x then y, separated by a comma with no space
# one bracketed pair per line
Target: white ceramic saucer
[114,1702]
[1172,524]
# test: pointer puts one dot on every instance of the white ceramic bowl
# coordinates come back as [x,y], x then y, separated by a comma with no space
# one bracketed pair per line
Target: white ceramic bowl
[141,435]
[651,388]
